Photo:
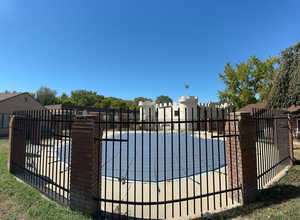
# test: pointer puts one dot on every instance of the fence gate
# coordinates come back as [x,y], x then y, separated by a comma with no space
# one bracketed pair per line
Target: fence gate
[272,145]
[166,163]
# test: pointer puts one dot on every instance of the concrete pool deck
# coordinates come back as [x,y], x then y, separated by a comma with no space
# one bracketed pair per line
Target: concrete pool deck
[189,187]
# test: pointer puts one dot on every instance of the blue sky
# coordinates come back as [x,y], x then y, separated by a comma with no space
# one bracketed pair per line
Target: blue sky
[130,48]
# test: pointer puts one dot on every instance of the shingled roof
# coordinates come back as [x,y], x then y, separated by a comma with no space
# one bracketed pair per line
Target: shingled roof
[293,109]
[4,96]
[251,107]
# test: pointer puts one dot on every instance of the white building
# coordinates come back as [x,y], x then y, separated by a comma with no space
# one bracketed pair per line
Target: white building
[187,109]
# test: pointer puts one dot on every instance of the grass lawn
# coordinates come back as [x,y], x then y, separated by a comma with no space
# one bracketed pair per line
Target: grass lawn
[20,201]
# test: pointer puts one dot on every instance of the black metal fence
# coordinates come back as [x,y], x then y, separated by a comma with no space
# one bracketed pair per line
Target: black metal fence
[166,163]
[271,157]
[47,151]
[155,163]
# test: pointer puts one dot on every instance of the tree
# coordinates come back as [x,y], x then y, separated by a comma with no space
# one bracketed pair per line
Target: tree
[85,98]
[32,94]
[46,96]
[163,99]
[66,100]
[248,82]
[286,88]
[105,103]
[116,103]
[141,99]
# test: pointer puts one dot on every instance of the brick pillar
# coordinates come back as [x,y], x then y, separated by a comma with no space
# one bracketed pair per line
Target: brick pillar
[220,127]
[16,162]
[281,138]
[85,169]
[241,157]
[291,139]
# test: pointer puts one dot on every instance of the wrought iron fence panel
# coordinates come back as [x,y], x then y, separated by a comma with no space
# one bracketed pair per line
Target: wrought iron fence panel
[167,162]
[47,151]
[270,159]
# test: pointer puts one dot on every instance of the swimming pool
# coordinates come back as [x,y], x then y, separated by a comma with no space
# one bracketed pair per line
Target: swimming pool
[152,157]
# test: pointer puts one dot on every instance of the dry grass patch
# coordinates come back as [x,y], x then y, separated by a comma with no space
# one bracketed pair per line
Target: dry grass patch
[3,143]
[9,210]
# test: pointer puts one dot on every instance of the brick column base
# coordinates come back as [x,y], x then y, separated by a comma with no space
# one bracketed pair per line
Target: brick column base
[86,152]
[282,140]
[241,157]
[291,141]
[16,162]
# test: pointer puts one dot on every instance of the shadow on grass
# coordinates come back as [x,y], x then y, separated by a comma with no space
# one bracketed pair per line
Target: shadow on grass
[274,195]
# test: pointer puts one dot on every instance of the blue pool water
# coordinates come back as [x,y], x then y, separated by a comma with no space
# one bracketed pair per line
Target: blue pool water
[157,164]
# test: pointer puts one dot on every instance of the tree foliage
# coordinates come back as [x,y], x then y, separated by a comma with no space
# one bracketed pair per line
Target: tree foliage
[66,100]
[46,96]
[163,99]
[248,82]
[141,99]
[84,98]
[286,87]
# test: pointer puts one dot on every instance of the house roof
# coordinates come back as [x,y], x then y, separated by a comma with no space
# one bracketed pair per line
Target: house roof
[4,96]
[69,107]
[82,108]
[293,109]
[251,107]
[55,107]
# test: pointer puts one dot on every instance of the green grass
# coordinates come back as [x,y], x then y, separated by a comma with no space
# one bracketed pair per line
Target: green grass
[20,201]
